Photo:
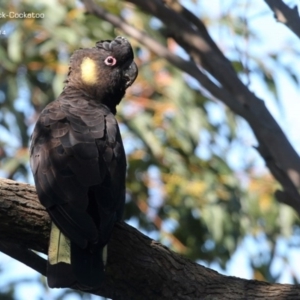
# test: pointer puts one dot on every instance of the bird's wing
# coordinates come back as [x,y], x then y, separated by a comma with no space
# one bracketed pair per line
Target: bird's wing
[79,165]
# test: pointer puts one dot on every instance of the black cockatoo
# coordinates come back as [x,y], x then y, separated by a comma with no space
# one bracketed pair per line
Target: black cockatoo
[79,164]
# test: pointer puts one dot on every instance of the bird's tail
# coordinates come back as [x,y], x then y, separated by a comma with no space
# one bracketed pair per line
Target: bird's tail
[59,273]
[70,265]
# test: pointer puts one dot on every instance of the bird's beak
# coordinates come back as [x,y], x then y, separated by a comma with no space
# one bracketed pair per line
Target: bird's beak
[130,74]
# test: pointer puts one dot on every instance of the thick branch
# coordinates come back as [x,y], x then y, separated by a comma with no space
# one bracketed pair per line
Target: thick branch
[286,15]
[138,267]
[280,157]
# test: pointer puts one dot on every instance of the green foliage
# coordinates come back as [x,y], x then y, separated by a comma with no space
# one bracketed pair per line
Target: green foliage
[180,183]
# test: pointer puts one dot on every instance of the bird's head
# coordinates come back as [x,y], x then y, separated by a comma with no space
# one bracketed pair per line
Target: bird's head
[103,72]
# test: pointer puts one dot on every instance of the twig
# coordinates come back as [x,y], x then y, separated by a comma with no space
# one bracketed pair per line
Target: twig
[286,15]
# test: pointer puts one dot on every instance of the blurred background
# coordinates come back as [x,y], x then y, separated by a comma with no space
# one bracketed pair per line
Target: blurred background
[195,182]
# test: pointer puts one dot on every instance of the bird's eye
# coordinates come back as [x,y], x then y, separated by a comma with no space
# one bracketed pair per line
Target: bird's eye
[110,61]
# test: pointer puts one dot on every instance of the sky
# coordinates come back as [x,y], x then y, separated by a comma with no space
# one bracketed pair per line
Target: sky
[285,108]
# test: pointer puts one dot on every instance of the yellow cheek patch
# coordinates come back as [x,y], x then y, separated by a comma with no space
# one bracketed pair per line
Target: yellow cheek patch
[88,71]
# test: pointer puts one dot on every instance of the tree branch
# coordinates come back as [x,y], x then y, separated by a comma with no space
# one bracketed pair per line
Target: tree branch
[25,256]
[274,147]
[286,15]
[138,267]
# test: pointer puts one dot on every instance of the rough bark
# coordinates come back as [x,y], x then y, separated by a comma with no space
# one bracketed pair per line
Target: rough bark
[138,267]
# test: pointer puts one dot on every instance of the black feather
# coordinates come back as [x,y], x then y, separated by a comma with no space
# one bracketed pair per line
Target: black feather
[79,165]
